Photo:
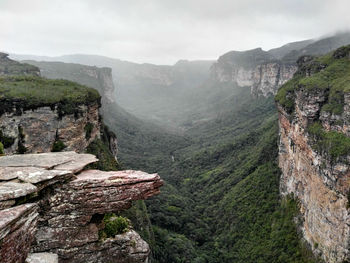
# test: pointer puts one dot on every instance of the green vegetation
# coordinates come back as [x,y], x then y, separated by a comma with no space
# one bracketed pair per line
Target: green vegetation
[1,148]
[11,67]
[106,161]
[58,146]
[331,143]
[88,130]
[5,140]
[33,92]
[221,200]
[114,225]
[21,149]
[329,74]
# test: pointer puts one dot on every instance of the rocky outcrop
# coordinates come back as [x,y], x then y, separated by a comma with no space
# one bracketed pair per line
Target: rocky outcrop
[255,68]
[38,130]
[64,209]
[314,158]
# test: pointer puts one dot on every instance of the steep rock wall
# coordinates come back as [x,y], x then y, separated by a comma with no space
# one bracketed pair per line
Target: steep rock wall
[38,129]
[321,187]
[255,68]
[314,152]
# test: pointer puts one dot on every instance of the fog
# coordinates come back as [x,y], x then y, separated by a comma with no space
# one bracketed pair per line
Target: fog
[163,31]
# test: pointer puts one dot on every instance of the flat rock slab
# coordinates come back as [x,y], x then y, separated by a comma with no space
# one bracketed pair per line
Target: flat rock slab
[32,175]
[42,258]
[12,190]
[126,176]
[9,173]
[71,161]
[77,163]
[36,175]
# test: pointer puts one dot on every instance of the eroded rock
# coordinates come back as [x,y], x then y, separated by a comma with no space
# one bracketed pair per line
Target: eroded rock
[321,185]
[69,221]
[12,190]
[17,228]
[72,205]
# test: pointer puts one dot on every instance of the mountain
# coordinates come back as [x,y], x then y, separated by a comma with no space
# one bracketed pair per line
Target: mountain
[144,89]
[265,71]
[221,201]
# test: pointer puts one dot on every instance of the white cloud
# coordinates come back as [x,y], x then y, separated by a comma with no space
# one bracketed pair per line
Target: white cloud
[163,31]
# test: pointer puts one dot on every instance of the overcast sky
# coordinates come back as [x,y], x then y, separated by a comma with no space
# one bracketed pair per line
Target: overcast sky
[163,31]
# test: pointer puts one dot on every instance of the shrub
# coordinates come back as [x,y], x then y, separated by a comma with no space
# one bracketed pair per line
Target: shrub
[88,130]
[115,225]
[1,148]
[21,148]
[58,146]
[336,144]
[6,141]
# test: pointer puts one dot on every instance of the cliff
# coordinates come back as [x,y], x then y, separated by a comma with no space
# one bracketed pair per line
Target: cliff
[314,150]
[50,204]
[91,76]
[255,68]
[265,71]
[41,115]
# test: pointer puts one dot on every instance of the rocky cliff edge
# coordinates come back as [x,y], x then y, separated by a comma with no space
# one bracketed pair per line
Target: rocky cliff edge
[53,208]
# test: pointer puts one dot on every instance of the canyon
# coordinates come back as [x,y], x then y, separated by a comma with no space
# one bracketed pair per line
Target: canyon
[225,199]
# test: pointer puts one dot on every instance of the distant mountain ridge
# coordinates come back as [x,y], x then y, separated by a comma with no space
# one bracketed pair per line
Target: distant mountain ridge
[265,71]
[188,91]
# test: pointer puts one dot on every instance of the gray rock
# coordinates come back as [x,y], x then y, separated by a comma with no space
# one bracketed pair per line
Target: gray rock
[9,173]
[42,258]
[77,163]
[71,161]
[29,174]
[12,190]
[36,175]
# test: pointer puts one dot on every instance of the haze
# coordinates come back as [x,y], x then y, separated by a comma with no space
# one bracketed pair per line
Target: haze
[163,31]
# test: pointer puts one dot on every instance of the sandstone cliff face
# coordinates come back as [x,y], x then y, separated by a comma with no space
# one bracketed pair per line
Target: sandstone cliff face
[263,79]
[255,69]
[317,177]
[64,208]
[37,130]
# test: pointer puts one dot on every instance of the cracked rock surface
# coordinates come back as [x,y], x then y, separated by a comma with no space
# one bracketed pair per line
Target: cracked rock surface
[51,206]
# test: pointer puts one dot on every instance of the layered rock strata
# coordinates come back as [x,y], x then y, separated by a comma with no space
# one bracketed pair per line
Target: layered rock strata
[255,68]
[314,159]
[39,129]
[64,207]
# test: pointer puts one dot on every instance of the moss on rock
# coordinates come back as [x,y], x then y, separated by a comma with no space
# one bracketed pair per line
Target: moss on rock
[31,92]
[330,72]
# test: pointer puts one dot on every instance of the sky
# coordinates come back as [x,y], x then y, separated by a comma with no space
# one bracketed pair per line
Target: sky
[163,31]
